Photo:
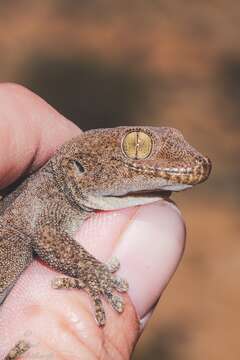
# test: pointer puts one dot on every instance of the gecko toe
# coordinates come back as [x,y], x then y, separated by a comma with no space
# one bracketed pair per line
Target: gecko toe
[116,301]
[120,284]
[99,312]
[67,283]
[20,348]
[113,264]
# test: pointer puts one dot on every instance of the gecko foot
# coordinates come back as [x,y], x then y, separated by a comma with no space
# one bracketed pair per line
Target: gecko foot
[99,282]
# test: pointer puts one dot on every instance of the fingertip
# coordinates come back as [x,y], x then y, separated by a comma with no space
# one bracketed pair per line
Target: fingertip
[149,251]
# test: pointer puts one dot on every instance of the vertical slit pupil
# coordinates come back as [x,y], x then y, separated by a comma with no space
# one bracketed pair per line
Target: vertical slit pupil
[137,144]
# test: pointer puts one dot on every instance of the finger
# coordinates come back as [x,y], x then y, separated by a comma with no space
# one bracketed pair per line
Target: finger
[30,132]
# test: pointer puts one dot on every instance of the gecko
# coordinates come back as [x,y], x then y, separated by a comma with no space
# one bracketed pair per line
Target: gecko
[101,169]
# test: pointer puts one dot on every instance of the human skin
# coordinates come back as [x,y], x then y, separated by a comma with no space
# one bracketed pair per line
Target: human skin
[148,241]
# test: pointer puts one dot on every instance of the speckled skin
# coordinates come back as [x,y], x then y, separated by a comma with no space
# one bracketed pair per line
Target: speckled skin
[88,173]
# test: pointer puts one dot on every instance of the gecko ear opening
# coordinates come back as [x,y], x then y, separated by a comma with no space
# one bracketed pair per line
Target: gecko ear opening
[78,166]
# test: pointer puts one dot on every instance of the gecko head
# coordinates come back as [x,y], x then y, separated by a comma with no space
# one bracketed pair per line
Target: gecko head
[163,154]
[132,165]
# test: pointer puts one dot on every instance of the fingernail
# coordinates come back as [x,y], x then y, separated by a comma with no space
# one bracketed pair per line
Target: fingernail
[149,251]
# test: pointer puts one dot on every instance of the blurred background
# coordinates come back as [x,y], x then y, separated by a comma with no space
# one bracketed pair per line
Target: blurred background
[107,63]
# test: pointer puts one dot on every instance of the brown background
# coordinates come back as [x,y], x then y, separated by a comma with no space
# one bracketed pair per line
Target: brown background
[107,63]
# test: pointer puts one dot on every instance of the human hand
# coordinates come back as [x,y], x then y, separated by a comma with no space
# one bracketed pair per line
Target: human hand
[148,241]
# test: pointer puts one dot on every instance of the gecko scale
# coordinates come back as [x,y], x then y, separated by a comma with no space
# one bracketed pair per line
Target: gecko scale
[103,169]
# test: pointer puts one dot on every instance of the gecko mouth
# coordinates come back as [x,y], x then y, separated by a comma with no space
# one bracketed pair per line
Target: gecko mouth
[164,194]
[151,193]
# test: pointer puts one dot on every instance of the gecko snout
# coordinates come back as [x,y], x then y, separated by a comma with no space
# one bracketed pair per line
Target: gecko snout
[202,169]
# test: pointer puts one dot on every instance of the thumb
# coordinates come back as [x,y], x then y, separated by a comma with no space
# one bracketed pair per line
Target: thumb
[147,240]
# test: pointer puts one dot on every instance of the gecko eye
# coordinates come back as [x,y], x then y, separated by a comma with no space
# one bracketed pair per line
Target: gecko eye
[137,145]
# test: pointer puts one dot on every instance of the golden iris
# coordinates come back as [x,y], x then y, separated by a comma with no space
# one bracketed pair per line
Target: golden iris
[137,145]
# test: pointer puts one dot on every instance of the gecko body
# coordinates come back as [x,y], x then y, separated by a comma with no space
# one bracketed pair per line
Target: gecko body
[103,169]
